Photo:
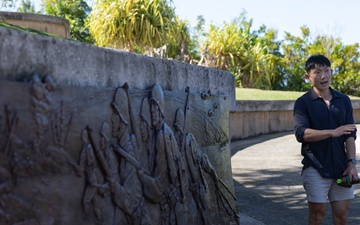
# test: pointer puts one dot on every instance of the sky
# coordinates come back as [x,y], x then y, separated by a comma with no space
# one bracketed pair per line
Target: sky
[323,17]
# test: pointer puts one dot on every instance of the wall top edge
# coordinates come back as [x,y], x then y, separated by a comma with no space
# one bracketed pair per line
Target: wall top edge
[273,105]
[33,17]
[79,64]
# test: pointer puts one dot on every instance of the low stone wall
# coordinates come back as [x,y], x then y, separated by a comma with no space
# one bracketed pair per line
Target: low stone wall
[44,23]
[252,118]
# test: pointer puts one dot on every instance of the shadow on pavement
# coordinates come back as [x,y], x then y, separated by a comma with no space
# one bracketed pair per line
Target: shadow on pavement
[244,143]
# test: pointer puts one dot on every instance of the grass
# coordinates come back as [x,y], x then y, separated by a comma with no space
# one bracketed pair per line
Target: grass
[258,94]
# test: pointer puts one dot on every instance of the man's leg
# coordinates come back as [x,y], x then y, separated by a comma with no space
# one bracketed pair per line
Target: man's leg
[316,213]
[340,211]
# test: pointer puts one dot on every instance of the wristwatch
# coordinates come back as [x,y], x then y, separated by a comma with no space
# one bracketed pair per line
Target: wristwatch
[354,161]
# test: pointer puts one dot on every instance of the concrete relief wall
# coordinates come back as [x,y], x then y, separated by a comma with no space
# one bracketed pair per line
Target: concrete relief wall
[96,136]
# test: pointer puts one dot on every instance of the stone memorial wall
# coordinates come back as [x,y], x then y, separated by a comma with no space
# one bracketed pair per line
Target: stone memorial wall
[97,136]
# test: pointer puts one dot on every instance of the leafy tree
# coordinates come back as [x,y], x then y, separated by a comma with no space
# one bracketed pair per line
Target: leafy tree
[254,57]
[26,6]
[344,59]
[180,41]
[245,53]
[293,62]
[8,4]
[76,12]
[197,34]
[272,78]
[132,25]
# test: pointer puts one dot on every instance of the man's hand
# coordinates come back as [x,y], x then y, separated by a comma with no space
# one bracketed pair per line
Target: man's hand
[342,130]
[351,172]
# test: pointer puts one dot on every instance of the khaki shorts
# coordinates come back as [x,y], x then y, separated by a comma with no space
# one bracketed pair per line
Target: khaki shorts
[320,190]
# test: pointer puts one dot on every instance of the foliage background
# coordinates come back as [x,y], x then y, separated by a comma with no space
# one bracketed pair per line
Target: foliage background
[255,56]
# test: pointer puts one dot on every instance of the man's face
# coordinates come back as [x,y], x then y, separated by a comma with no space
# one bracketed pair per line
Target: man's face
[320,77]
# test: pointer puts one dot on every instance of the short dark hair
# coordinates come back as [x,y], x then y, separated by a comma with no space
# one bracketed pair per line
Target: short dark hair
[314,60]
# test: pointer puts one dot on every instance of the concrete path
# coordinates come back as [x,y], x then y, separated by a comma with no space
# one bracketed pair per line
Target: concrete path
[267,180]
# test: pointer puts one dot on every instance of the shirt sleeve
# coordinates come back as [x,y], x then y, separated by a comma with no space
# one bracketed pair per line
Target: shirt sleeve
[301,119]
[349,117]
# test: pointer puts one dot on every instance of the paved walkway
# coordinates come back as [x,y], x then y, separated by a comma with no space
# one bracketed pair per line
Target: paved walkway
[266,172]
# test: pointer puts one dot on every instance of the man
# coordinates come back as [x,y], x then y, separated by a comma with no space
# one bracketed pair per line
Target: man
[324,124]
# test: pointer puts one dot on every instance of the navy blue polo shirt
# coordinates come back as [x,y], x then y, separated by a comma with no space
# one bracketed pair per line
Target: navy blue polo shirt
[328,156]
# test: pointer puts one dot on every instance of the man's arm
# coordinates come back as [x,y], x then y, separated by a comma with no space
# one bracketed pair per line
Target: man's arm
[351,154]
[312,135]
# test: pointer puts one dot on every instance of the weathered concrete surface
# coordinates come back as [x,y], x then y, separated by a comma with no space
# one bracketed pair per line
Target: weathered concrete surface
[79,64]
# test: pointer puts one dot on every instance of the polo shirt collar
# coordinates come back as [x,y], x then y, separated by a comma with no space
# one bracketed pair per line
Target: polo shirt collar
[315,96]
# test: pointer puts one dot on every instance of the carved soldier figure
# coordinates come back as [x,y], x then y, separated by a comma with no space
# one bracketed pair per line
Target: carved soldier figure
[162,182]
[106,148]
[201,174]
[95,180]
[41,103]
[132,198]
[145,131]
[166,161]
[197,161]
[179,125]
[112,175]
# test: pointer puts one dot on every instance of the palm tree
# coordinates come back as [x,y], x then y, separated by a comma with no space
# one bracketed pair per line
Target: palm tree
[234,47]
[26,7]
[180,41]
[131,25]
[76,12]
